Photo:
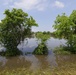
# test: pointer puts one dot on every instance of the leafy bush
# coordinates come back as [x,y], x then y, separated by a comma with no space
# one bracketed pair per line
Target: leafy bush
[41,49]
[14,28]
[12,52]
[61,50]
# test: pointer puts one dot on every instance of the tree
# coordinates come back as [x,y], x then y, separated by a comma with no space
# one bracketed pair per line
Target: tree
[43,37]
[62,26]
[73,21]
[14,28]
[66,28]
[42,47]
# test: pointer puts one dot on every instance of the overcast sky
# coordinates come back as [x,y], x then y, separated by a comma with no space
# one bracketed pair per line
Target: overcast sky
[43,11]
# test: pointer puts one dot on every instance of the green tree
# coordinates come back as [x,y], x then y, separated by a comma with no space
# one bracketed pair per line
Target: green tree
[66,28]
[62,26]
[14,28]
[42,47]
[42,36]
[72,18]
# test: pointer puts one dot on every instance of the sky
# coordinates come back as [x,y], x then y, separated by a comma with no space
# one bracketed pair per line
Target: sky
[43,11]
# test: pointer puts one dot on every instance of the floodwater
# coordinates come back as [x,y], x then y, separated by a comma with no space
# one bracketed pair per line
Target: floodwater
[34,62]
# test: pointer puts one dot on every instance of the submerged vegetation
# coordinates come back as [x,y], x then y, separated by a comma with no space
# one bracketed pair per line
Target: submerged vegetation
[42,47]
[61,50]
[14,28]
[65,27]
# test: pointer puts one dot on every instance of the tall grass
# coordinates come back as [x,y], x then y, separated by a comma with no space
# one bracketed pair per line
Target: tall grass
[61,70]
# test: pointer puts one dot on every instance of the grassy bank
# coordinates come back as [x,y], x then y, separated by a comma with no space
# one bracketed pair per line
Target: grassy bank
[46,72]
[62,50]
[69,69]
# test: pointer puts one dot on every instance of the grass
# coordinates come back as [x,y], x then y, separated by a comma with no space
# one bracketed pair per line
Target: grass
[69,69]
[61,50]
[46,72]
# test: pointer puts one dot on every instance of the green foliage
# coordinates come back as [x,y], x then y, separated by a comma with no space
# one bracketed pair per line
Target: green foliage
[12,52]
[43,36]
[61,50]
[41,49]
[72,44]
[26,53]
[15,27]
[62,26]
[73,21]
[66,28]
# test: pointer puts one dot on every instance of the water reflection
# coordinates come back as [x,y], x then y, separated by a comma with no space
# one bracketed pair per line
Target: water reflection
[28,46]
[51,59]
[31,62]
[3,61]
[52,42]
[34,62]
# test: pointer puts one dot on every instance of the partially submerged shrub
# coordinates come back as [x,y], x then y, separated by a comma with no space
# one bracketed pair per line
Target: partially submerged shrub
[12,52]
[41,49]
[61,50]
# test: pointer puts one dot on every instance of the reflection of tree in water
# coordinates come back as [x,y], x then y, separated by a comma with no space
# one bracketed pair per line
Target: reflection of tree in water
[3,61]
[65,60]
[47,61]
[35,64]
[16,62]
[51,59]
[28,62]
[42,47]
[42,60]
[28,46]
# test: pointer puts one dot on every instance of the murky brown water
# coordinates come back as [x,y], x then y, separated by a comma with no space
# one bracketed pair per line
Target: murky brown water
[34,62]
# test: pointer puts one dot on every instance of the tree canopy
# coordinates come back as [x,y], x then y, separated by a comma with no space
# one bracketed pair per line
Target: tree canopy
[42,36]
[42,47]
[65,26]
[14,28]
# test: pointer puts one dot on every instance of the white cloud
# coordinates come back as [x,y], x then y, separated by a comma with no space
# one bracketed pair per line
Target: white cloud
[58,4]
[31,4]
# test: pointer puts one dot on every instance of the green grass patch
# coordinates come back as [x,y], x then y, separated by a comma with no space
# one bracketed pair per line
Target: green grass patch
[61,50]
[54,71]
